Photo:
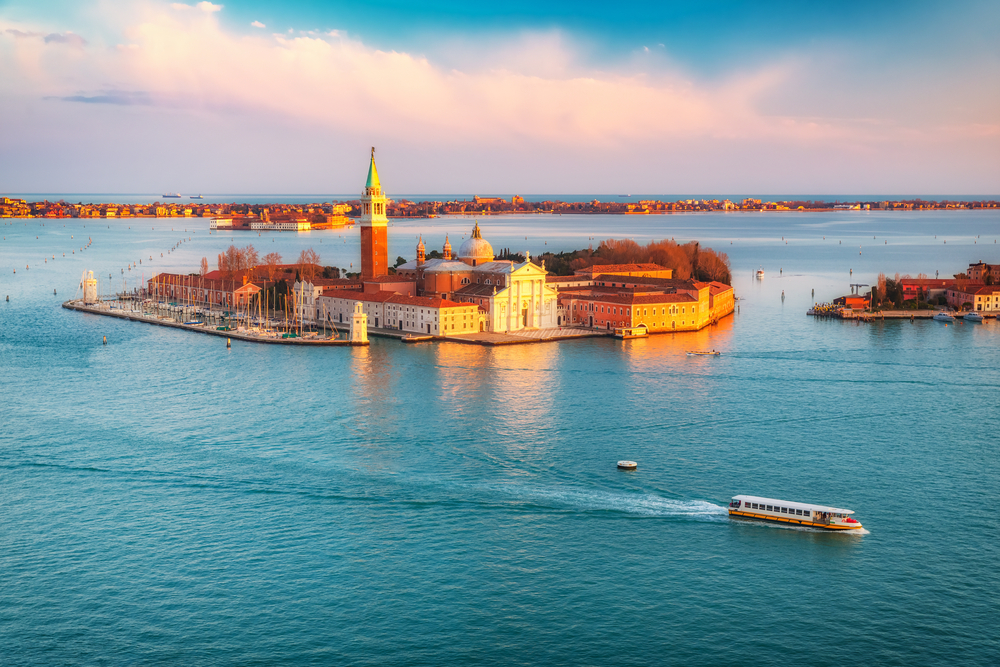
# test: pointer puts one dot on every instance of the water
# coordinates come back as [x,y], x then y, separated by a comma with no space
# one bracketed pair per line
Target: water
[166,501]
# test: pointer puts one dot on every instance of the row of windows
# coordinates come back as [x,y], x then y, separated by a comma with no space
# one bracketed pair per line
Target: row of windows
[781,510]
[645,311]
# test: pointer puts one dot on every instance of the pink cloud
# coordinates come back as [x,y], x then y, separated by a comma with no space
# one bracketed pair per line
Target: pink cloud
[533,94]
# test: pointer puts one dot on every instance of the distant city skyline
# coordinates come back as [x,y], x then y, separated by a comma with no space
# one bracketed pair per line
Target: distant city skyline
[520,97]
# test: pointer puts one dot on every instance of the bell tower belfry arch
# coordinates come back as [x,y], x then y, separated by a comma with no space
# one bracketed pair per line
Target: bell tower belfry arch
[374,226]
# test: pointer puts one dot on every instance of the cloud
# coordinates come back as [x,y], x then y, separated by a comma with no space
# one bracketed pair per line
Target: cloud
[119,97]
[203,6]
[65,38]
[530,95]
[20,34]
[258,24]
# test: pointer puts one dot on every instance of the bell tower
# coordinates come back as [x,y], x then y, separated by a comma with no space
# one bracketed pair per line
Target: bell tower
[374,236]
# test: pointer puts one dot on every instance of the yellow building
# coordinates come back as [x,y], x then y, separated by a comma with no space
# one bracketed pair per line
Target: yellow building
[658,305]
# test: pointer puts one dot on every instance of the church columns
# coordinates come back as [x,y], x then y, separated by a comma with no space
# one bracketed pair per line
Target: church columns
[533,320]
[510,304]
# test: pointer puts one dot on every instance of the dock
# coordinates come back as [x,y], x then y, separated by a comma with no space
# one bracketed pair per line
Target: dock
[248,335]
[880,315]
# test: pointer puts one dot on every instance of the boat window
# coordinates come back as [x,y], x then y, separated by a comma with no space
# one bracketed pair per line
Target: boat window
[770,509]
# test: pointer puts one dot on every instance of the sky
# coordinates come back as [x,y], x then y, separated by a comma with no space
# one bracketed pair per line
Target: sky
[113,96]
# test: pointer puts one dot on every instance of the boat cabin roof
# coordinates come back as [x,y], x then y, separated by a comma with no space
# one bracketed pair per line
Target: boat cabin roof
[798,506]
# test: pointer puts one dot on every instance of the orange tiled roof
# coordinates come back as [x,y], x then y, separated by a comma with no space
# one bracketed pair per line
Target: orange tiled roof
[622,267]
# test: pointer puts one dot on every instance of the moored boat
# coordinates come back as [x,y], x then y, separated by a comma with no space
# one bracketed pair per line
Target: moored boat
[973,316]
[760,273]
[631,332]
[784,511]
[703,353]
[944,317]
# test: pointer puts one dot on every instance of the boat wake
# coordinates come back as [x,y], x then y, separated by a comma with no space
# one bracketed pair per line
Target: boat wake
[577,500]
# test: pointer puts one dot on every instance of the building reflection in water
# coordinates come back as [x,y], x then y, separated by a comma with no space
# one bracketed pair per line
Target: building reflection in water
[499,404]
[504,393]
[656,362]
[371,392]
[668,350]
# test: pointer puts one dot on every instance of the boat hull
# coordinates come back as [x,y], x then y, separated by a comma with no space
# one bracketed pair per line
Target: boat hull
[789,520]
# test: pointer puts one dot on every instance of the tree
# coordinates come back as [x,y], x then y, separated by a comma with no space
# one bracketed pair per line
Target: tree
[237,261]
[204,266]
[308,264]
[272,261]
[250,258]
[399,262]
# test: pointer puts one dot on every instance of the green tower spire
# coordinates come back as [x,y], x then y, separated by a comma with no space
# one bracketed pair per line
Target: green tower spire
[373,181]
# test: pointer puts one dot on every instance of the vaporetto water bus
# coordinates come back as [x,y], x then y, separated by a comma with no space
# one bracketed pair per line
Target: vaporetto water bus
[802,514]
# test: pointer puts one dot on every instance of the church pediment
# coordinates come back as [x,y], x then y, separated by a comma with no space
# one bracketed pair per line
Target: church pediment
[528,269]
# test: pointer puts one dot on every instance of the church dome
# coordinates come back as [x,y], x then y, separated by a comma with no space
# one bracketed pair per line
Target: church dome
[476,250]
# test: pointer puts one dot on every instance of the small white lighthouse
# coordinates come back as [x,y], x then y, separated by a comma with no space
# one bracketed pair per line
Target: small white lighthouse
[359,324]
[89,288]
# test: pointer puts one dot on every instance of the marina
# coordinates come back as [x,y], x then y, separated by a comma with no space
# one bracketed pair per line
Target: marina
[148,313]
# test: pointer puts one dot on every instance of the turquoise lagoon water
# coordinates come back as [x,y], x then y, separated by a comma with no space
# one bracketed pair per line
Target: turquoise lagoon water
[167,501]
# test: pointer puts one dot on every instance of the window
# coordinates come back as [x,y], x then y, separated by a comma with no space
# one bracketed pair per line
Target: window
[769,508]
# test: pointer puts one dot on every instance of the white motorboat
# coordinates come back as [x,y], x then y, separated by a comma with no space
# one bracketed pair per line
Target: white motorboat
[944,317]
[973,316]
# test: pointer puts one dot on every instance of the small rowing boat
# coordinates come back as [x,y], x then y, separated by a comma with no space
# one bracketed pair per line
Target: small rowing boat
[702,353]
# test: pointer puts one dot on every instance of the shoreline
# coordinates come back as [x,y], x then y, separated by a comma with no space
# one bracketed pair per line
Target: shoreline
[485,339]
